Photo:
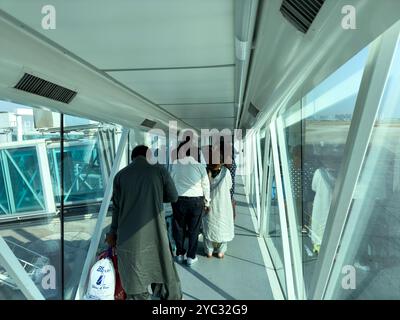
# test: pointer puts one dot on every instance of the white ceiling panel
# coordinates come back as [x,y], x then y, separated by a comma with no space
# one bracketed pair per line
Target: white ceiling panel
[137,33]
[190,111]
[176,86]
[176,53]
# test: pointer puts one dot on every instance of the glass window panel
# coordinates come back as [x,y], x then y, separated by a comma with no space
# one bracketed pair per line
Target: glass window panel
[84,181]
[89,151]
[371,242]
[36,242]
[316,130]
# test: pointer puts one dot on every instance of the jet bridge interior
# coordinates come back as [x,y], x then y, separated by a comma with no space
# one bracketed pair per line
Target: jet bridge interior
[307,90]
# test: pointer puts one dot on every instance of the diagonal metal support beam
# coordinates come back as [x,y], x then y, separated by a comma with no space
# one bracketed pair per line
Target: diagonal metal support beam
[291,293]
[94,243]
[14,269]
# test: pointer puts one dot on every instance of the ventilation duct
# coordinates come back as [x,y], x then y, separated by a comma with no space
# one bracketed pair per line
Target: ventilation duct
[253,110]
[43,88]
[301,13]
[148,123]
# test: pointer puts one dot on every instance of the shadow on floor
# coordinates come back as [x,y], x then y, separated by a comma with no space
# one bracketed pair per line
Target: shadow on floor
[209,283]
[251,232]
[246,260]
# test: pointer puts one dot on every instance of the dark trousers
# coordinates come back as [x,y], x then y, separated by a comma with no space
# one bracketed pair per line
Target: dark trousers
[187,212]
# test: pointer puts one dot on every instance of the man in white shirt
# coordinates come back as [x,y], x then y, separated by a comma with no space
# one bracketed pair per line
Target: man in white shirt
[193,186]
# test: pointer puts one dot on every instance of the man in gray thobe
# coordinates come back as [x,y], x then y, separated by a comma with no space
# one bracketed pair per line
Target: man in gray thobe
[139,231]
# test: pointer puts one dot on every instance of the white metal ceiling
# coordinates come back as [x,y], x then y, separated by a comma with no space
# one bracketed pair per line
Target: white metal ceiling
[169,51]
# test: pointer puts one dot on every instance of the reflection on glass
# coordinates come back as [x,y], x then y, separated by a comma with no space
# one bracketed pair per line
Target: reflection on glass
[371,241]
[84,181]
[89,152]
[316,131]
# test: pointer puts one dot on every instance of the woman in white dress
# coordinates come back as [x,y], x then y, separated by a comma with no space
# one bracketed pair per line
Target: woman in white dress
[218,222]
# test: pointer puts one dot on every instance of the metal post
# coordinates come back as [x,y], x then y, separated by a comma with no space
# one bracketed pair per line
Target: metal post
[294,231]
[8,185]
[256,172]
[259,178]
[94,243]
[62,202]
[265,185]
[282,214]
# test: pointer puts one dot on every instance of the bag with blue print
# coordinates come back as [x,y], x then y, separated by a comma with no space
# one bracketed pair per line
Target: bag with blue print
[102,280]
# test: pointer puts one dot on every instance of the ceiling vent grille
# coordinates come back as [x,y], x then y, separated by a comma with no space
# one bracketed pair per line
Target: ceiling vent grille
[301,13]
[148,123]
[253,110]
[43,88]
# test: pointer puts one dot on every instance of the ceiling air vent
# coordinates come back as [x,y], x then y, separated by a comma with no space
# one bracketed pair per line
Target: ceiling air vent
[43,88]
[253,110]
[148,123]
[301,13]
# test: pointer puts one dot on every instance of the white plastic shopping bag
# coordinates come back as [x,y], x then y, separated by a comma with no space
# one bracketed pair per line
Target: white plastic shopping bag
[101,281]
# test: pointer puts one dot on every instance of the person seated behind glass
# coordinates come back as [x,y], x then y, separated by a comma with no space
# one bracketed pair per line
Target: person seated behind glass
[218,223]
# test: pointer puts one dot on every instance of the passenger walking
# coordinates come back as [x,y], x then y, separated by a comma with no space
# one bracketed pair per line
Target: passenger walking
[138,229]
[218,223]
[193,185]
[217,151]
[230,163]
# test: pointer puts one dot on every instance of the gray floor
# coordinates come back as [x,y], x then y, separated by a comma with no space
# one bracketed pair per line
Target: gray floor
[240,275]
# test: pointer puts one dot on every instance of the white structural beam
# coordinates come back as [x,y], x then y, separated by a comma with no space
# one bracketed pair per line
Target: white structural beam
[256,173]
[266,185]
[94,243]
[282,214]
[15,270]
[46,177]
[259,178]
[368,101]
[294,232]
